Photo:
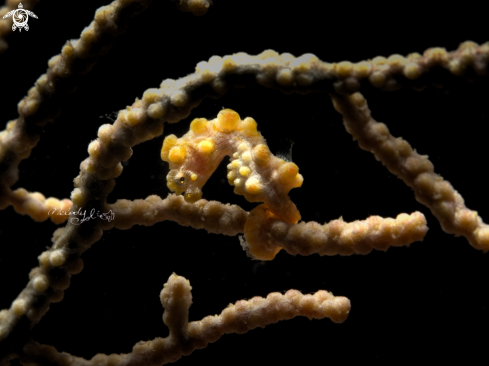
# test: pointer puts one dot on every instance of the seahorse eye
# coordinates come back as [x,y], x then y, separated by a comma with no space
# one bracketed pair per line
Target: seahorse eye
[179,179]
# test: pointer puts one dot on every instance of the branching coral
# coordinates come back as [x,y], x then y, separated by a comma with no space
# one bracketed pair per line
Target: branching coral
[401,284]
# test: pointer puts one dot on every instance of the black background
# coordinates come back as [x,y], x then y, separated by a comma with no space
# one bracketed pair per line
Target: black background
[427,302]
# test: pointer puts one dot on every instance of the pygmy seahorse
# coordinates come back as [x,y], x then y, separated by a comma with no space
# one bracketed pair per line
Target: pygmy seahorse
[254,171]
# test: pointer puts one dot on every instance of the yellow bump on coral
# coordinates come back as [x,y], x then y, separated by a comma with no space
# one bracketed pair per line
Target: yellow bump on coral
[467,44]
[379,60]
[102,15]
[227,121]
[228,64]
[456,67]
[396,60]
[344,69]
[235,164]
[288,172]
[482,237]
[135,117]
[77,197]
[94,148]
[3,314]
[52,203]
[285,77]
[88,35]
[304,62]
[377,79]
[199,125]
[57,258]
[254,186]
[362,69]
[150,95]
[231,175]
[117,170]
[40,283]
[413,56]
[156,111]
[20,194]
[29,107]
[244,171]
[412,71]
[11,125]
[53,60]
[105,132]
[44,260]
[467,219]
[179,99]
[19,307]
[91,166]
[425,183]
[436,55]
[169,142]
[207,75]
[242,147]
[68,50]
[261,154]
[249,126]
[206,147]
[177,154]
[38,196]
[41,82]
[122,116]
[358,99]
[35,209]
[467,56]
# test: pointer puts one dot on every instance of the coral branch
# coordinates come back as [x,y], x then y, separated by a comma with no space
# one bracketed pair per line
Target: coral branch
[186,337]
[212,216]
[44,100]
[133,261]
[415,170]
[266,235]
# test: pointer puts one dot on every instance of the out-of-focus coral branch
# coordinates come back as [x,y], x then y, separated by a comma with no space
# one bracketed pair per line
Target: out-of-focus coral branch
[44,100]
[185,336]
[415,170]
[255,173]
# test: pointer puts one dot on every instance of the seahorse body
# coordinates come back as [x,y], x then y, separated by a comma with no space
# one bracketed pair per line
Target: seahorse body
[253,171]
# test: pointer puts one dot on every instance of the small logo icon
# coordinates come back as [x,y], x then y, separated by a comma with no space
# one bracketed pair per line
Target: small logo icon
[20,17]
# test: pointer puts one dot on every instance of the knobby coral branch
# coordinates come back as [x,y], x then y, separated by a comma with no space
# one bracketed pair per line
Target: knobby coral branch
[415,170]
[185,336]
[255,173]
[42,104]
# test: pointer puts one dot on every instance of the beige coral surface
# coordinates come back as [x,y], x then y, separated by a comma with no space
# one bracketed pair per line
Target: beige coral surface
[434,289]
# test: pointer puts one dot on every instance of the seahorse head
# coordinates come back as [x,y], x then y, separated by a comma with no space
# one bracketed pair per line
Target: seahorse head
[184,181]
[182,178]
